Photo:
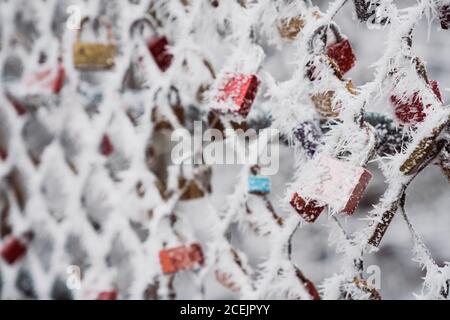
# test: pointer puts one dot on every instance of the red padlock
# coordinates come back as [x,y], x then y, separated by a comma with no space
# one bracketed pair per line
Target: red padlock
[309,210]
[13,249]
[337,183]
[412,110]
[107,147]
[3,154]
[107,295]
[48,79]
[158,48]
[340,184]
[181,258]
[312,290]
[59,80]
[240,90]
[341,52]
[444,16]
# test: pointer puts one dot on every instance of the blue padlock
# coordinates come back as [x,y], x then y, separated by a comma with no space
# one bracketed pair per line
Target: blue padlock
[258,185]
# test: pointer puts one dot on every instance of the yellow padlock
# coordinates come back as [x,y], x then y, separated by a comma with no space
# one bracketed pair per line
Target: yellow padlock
[93,55]
[197,186]
[326,104]
[422,152]
[289,28]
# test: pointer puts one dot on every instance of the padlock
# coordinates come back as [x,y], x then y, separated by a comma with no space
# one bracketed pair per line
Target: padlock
[326,103]
[3,154]
[49,78]
[411,110]
[93,55]
[158,47]
[13,249]
[106,146]
[337,183]
[421,153]
[312,290]
[367,11]
[3,142]
[258,185]
[238,93]
[341,51]
[107,295]
[289,28]
[340,184]
[181,258]
[444,16]
[174,260]
[309,210]
[308,134]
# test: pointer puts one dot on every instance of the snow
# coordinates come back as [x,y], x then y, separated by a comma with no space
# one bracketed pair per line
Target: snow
[107,214]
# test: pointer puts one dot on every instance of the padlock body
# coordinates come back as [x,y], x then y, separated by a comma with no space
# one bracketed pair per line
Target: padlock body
[240,91]
[106,146]
[412,110]
[158,48]
[342,54]
[308,135]
[258,185]
[289,28]
[309,209]
[12,250]
[193,190]
[48,80]
[181,258]
[340,184]
[326,104]
[93,56]
[335,183]
[107,295]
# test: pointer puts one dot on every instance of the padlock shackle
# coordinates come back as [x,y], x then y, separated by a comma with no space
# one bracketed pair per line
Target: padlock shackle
[210,67]
[322,30]
[141,21]
[336,32]
[421,70]
[371,143]
[318,32]
[174,89]
[107,25]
